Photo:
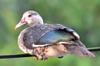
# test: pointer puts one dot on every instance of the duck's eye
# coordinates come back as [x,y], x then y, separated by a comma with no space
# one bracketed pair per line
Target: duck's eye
[29,15]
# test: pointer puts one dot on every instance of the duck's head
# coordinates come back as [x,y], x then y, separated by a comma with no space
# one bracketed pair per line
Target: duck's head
[30,18]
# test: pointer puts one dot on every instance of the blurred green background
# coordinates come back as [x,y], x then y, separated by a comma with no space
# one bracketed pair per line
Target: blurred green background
[81,15]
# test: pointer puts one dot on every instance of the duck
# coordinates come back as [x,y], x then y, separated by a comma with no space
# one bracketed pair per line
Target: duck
[48,40]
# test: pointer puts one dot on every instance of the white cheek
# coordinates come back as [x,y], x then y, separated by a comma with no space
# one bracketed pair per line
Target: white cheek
[30,21]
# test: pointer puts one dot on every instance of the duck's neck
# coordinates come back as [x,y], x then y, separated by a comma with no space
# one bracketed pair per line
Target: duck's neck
[36,23]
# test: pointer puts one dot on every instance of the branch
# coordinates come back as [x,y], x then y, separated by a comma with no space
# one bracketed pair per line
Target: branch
[15,56]
[94,49]
[28,55]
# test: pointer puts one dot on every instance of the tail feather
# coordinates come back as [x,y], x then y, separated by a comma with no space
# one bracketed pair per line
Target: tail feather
[78,48]
[82,51]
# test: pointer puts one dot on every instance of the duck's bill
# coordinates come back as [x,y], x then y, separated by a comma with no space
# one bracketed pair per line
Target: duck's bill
[19,25]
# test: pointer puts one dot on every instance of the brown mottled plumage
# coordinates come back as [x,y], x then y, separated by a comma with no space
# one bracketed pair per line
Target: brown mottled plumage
[45,40]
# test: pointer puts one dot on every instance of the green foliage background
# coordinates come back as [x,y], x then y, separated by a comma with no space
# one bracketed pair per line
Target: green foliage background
[81,15]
